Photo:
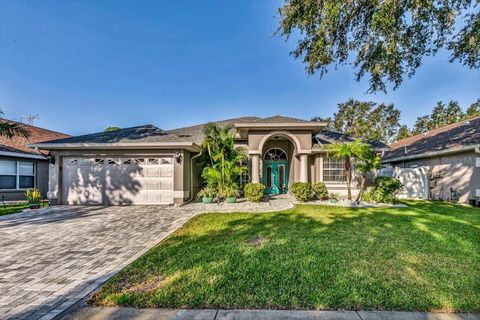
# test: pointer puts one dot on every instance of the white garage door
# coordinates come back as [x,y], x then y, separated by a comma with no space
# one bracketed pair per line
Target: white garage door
[118,181]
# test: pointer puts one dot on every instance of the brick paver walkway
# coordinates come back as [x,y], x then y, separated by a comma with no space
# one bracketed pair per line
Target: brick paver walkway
[50,260]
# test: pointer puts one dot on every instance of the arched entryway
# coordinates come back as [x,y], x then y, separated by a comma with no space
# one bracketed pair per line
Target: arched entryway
[275,171]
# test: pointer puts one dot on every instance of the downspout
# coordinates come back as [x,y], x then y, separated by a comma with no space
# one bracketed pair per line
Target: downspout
[192,196]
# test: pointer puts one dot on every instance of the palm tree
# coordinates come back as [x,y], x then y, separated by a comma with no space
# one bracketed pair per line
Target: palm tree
[11,129]
[364,164]
[224,160]
[347,152]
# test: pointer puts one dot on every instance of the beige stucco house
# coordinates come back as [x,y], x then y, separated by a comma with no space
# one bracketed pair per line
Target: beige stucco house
[450,157]
[147,165]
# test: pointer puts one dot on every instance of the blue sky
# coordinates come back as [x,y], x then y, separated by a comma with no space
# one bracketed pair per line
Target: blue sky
[85,65]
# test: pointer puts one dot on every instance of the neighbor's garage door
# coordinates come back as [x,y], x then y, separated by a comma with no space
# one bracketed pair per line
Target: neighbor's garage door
[117,181]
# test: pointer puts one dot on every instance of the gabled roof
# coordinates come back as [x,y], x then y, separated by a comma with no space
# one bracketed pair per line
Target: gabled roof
[465,133]
[18,144]
[327,137]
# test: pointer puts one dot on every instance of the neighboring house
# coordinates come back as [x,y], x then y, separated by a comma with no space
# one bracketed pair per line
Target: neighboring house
[22,167]
[450,155]
[147,165]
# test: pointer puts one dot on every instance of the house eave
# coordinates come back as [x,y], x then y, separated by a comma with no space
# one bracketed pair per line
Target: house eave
[432,154]
[22,155]
[190,146]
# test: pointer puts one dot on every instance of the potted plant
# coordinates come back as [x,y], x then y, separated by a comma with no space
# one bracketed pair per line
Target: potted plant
[34,198]
[207,194]
[230,194]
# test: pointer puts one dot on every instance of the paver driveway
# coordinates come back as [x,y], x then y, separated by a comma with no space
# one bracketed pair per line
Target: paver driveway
[51,260]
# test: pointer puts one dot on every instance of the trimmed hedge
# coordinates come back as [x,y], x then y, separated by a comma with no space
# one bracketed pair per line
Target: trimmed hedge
[254,191]
[320,191]
[302,191]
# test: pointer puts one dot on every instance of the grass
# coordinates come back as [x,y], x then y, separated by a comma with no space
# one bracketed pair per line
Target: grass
[425,257]
[12,208]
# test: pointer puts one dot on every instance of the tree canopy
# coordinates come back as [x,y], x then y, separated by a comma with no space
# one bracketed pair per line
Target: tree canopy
[367,120]
[443,115]
[384,40]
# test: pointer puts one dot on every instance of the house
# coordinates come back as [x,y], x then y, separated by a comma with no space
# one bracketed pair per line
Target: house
[148,165]
[22,167]
[450,155]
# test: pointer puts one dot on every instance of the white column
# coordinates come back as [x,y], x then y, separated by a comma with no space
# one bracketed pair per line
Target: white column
[255,169]
[303,168]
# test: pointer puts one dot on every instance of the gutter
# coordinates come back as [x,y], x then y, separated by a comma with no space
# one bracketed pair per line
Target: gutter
[476,148]
[125,145]
[22,155]
[191,176]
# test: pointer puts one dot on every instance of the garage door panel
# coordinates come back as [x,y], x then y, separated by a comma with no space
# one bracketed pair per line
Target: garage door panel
[121,180]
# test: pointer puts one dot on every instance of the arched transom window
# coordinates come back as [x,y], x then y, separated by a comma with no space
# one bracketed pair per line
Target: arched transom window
[275,154]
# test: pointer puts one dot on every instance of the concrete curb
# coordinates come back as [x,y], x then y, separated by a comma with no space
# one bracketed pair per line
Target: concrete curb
[97,313]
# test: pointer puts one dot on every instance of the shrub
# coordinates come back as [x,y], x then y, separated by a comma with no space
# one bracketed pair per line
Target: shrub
[228,191]
[254,191]
[207,192]
[33,196]
[302,191]
[383,189]
[320,191]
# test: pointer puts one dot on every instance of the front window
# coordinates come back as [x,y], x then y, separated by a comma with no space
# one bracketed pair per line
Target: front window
[17,174]
[333,170]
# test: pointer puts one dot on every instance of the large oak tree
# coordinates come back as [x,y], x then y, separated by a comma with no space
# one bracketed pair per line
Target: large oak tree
[384,40]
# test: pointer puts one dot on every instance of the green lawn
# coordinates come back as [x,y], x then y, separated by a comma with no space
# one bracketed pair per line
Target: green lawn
[12,208]
[425,257]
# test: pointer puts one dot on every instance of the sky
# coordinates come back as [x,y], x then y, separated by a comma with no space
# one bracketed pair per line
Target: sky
[82,66]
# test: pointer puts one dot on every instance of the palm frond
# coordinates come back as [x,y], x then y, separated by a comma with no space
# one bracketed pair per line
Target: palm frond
[10,130]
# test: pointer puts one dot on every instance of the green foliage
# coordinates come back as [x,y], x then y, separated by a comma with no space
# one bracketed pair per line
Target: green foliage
[302,191]
[207,192]
[443,115]
[473,110]
[33,196]
[320,191]
[347,151]
[387,39]
[254,191]
[383,189]
[366,120]
[223,165]
[366,161]
[11,129]
[403,132]
[228,191]
[111,128]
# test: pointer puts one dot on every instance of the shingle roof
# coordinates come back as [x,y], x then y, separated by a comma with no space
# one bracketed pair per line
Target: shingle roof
[146,133]
[281,119]
[326,136]
[19,144]
[195,133]
[460,134]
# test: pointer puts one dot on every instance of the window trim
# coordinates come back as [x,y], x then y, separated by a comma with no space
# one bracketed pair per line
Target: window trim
[17,175]
[327,158]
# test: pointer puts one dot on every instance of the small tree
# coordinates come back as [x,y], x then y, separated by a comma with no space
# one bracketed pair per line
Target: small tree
[364,164]
[347,152]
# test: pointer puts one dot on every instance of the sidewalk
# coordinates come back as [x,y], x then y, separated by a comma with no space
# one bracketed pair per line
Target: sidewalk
[101,313]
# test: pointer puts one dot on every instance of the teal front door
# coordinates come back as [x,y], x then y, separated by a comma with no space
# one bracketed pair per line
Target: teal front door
[275,177]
